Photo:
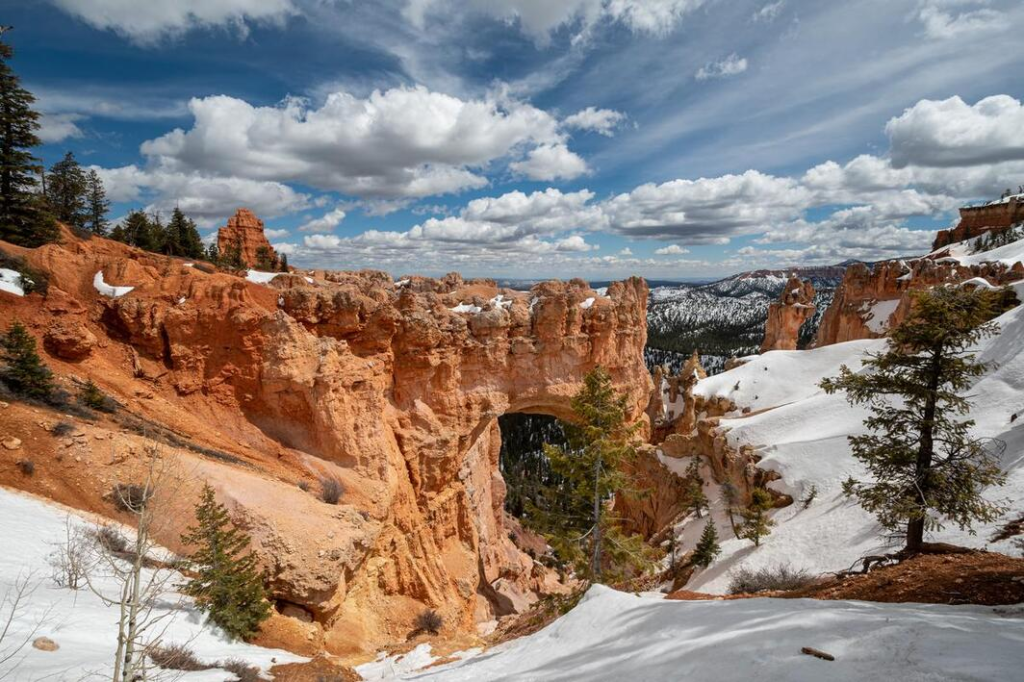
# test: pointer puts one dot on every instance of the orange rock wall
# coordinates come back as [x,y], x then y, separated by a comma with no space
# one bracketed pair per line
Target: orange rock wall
[785,316]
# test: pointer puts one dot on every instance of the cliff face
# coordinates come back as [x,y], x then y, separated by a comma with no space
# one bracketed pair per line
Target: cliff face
[977,220]
[785,316]
[392,389]
[244,231]
[870,301]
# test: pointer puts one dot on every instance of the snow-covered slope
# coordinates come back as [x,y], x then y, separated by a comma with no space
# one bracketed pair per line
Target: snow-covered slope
[804,437]
[620,636]
[78,621]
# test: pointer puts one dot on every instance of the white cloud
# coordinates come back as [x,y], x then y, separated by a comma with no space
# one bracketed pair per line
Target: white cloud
[403,142]
[671,250]
[272,233]
[951,132]
[207,199]
[944,19]
[732,65]
[601,121]
[286,248]
[550,162]
[148,22]
[540,18]
[575,243]
[626,251]
[58,127]
[325,223]
[769,12]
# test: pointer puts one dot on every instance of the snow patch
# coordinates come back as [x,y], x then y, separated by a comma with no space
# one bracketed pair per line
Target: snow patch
[587,303]
[257,277]
[466,308]
[108,290]
[390,667]
[10,281]
[878,315]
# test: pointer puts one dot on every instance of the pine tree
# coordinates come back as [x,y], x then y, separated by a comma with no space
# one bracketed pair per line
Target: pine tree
[98,204]
[695,487]
[707,549]
[228,583]
[181,237]
[24,371]
[265,259]
[570,512]
[23,218]
[924,464]
[67,189]
[756,523]
[731,497]
[284,262]
[213,253]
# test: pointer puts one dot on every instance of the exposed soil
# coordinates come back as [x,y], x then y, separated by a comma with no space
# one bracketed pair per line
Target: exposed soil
[972,577]
[320,669]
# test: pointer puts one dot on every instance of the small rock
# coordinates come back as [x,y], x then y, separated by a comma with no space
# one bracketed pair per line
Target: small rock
[45,644]
[12,443]
[3,405]
[817,653]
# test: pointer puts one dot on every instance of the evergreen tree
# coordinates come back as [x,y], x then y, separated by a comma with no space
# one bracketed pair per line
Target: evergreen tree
[695,487]
[284,262]
[265,259]
[924,464]
[731,497]
[98,204]
[23,218]
[133,230]
[707,549]
[156,236]
[588,470]
[213,253]
[231,257]
[756,523]
[67,189]
[23,370]
[228,583]
[181,237]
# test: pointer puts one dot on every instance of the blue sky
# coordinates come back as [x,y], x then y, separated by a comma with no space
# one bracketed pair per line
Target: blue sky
[527,138]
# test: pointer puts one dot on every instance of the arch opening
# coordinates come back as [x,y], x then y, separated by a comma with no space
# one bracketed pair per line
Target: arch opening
[522,463]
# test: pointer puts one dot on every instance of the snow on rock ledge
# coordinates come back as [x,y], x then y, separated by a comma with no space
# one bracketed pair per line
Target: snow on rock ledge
[106,289]
[10,281]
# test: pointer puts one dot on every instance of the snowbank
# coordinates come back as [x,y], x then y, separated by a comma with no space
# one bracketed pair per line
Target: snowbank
[620,636]
[78,621]
[10,281]
[107,290]
[257,277]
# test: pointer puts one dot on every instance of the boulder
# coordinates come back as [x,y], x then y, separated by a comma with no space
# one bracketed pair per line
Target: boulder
[69,340]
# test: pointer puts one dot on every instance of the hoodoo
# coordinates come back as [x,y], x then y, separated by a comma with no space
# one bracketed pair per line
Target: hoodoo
[243,234]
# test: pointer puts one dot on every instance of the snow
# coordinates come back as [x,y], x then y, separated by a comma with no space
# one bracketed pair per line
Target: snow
[878,315]
[389,667]
[614,636]
[309,280]
[108,290]
[78,621]
[500,302]
[467,308]
[587,303]
[401,283]
[10,281]
[1008,254]
[978,282]
[258,277]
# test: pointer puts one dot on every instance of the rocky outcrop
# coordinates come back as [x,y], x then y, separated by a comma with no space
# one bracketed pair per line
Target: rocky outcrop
[787,315]
[978,220]
[869,301]
[392,389]
[244,232]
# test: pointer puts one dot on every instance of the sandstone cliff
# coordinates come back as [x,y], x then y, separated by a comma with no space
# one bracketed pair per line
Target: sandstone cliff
[977,220]
[785,316]
[392,389]
[244,232]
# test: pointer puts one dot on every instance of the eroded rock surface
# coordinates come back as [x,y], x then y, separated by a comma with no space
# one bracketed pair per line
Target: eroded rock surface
[787,315]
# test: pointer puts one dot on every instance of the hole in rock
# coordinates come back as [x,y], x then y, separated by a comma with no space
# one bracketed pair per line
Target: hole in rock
[522,462]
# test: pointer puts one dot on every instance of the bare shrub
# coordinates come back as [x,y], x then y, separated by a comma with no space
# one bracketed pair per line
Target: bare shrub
[177,657]
[130,497]
[110,539]
[70,559]
[243,672]
[778,577]
[304,486]
[26,466]
[331,490]
[430,621]
[62,429]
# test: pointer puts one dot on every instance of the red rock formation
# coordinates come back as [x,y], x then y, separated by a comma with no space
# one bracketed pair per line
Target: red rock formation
[869,301]
[386,388]
[785,316]
[977,220]
[244,231]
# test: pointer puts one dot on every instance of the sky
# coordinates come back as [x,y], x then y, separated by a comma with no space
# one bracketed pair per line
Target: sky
[671,139]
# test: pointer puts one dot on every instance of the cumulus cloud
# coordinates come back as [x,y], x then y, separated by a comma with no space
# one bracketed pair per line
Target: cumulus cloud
[730,66]
[671,250]
[208,199]
[325,223]
[951,132]
[601,121]
[149,22]
[402,142]
[272,233]
[550,162]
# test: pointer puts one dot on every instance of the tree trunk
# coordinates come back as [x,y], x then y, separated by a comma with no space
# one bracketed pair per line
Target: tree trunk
[925,453]
[595,560]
